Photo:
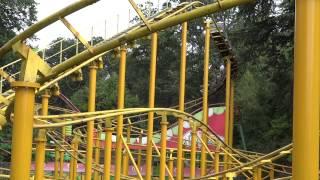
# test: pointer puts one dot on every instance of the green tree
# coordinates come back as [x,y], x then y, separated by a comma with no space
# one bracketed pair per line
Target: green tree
[262,36]
[106,97]
[15,16]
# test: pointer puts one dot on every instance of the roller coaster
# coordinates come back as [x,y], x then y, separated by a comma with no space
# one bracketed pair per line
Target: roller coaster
[122,143]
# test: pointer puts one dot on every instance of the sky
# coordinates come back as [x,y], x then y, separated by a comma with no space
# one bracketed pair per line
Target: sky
[99,19]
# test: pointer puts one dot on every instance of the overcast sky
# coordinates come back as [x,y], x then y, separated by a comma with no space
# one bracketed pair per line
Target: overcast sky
[92,16]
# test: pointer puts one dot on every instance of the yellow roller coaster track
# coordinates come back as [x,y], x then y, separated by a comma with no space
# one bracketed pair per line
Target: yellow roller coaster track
[205,154]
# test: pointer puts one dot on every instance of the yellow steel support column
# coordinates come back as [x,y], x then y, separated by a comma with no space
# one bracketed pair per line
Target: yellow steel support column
[163,150]
[257,173]
[227,100]
[193,151]
[22,130]
[217,160]
[121,93]
[75,161]
[61,163]
[126,155]
[170,164]
[227,114]
[152,84]
[125,163]
[41,141]
[181,97]
[90,125]
[306,91]
[56,162]
[62,153]
[107,152]
[71,169]
[231,111]
[97,156]
[203,162]
[271,173]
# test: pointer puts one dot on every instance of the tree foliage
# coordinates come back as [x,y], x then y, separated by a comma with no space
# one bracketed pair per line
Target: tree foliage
[262,36]
[15,15]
